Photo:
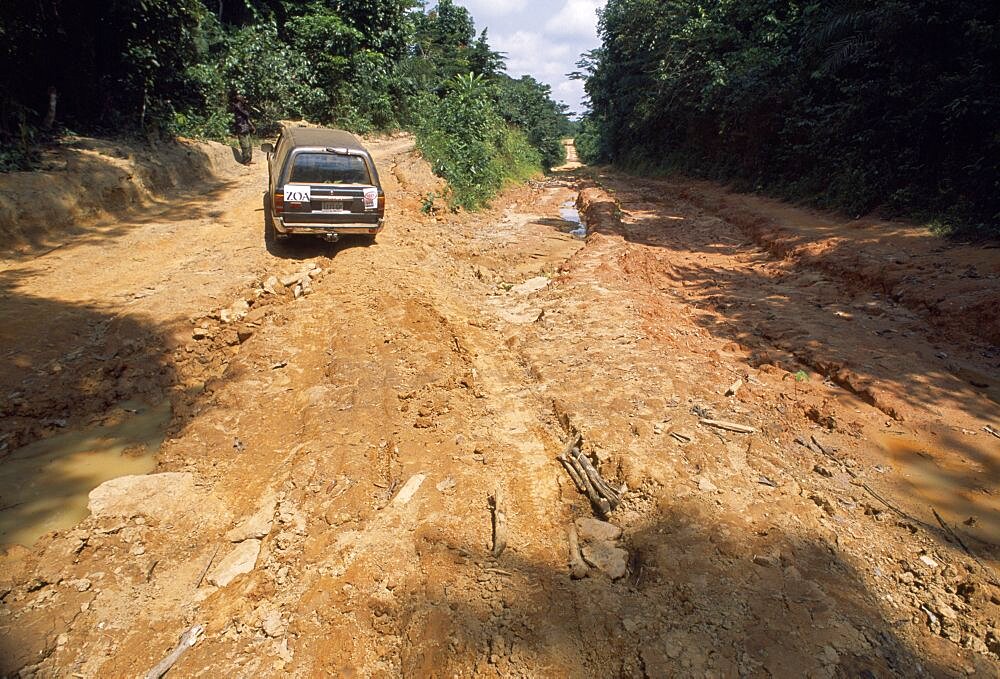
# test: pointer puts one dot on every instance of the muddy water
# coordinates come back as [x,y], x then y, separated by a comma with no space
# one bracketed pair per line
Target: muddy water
[574,222]
[956,483]
[44,485]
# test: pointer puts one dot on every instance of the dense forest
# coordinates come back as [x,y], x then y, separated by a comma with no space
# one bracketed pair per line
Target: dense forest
[162,68]
[859,105]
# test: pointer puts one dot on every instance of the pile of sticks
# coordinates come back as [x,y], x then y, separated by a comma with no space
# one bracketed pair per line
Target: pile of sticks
[602,495]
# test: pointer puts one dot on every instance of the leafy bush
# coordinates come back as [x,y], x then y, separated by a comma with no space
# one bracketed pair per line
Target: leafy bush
[528,104]
[470,145]
[166,67]
[276,80]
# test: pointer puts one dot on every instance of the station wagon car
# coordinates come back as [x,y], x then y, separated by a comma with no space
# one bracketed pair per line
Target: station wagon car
[321,182]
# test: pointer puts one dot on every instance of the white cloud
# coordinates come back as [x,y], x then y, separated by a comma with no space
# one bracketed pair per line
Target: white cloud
[576,18]
[543,38]
[533,54]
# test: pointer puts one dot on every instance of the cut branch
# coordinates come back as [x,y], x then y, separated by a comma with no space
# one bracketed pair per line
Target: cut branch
[728,426]
[499,524]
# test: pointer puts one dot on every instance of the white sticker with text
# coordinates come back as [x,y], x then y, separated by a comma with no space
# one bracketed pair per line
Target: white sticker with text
[296,193]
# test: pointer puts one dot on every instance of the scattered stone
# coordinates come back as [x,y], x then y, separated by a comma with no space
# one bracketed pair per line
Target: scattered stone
[337,517]
[766,561]
[446,485]
[273,286]
[201,332]
[290,279]
[236,312]
[823,471]
[605,557]
[734,388]
[166,496]
[408,490]
[706,486]
[927,561]
[590,529]
[272,624]
[282,650]
[258,525]
[240,560]
[531,285]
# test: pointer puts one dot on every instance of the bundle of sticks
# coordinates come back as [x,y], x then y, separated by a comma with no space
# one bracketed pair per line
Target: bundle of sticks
[602,495]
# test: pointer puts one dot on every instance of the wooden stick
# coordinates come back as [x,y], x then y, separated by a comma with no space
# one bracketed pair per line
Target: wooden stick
[574,441]
[601,504]
[499,524]
[204,571]
[577,567]
[950,531]
[600,484]
[728,426]
[572,473]
[188,639]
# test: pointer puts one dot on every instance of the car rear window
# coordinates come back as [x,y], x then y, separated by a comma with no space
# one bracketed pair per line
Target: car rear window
[329,168]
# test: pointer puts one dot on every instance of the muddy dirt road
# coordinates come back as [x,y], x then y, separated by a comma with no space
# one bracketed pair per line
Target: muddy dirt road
[810,451]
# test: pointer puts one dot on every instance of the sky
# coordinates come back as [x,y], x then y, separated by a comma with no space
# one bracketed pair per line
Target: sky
[541,38]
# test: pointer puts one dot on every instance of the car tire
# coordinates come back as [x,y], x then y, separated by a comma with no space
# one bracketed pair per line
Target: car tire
[271,234]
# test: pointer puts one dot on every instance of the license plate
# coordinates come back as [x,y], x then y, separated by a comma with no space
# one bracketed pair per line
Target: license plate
[332,205]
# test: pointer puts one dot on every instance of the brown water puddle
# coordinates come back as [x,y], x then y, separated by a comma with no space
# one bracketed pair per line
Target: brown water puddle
[962,485]
[44,485]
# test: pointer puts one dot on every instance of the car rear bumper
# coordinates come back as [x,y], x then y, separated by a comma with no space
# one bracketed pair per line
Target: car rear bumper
[315,229]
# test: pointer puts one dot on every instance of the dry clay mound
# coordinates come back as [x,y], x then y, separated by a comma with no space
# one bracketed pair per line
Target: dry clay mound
[84,180]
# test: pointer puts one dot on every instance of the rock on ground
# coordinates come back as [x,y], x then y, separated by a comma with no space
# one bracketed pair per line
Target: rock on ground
[241,560]
[165,496]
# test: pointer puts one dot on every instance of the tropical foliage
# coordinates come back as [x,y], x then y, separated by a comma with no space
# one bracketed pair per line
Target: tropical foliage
[859,105]
[165,67]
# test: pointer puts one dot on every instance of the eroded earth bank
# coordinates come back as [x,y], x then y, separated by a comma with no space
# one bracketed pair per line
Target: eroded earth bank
[804,412]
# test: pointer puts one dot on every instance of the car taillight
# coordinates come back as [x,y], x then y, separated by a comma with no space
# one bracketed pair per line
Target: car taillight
[381,205]
[279,203]
[371,199]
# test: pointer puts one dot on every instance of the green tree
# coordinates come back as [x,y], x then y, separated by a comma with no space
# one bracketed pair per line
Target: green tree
[851,104]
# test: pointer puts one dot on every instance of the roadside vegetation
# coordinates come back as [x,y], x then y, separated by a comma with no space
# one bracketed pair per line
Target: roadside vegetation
[158,69]
[859,106]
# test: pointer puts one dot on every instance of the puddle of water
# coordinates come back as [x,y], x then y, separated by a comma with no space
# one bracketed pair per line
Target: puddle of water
[44,485]
[574,222]
[958,488]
